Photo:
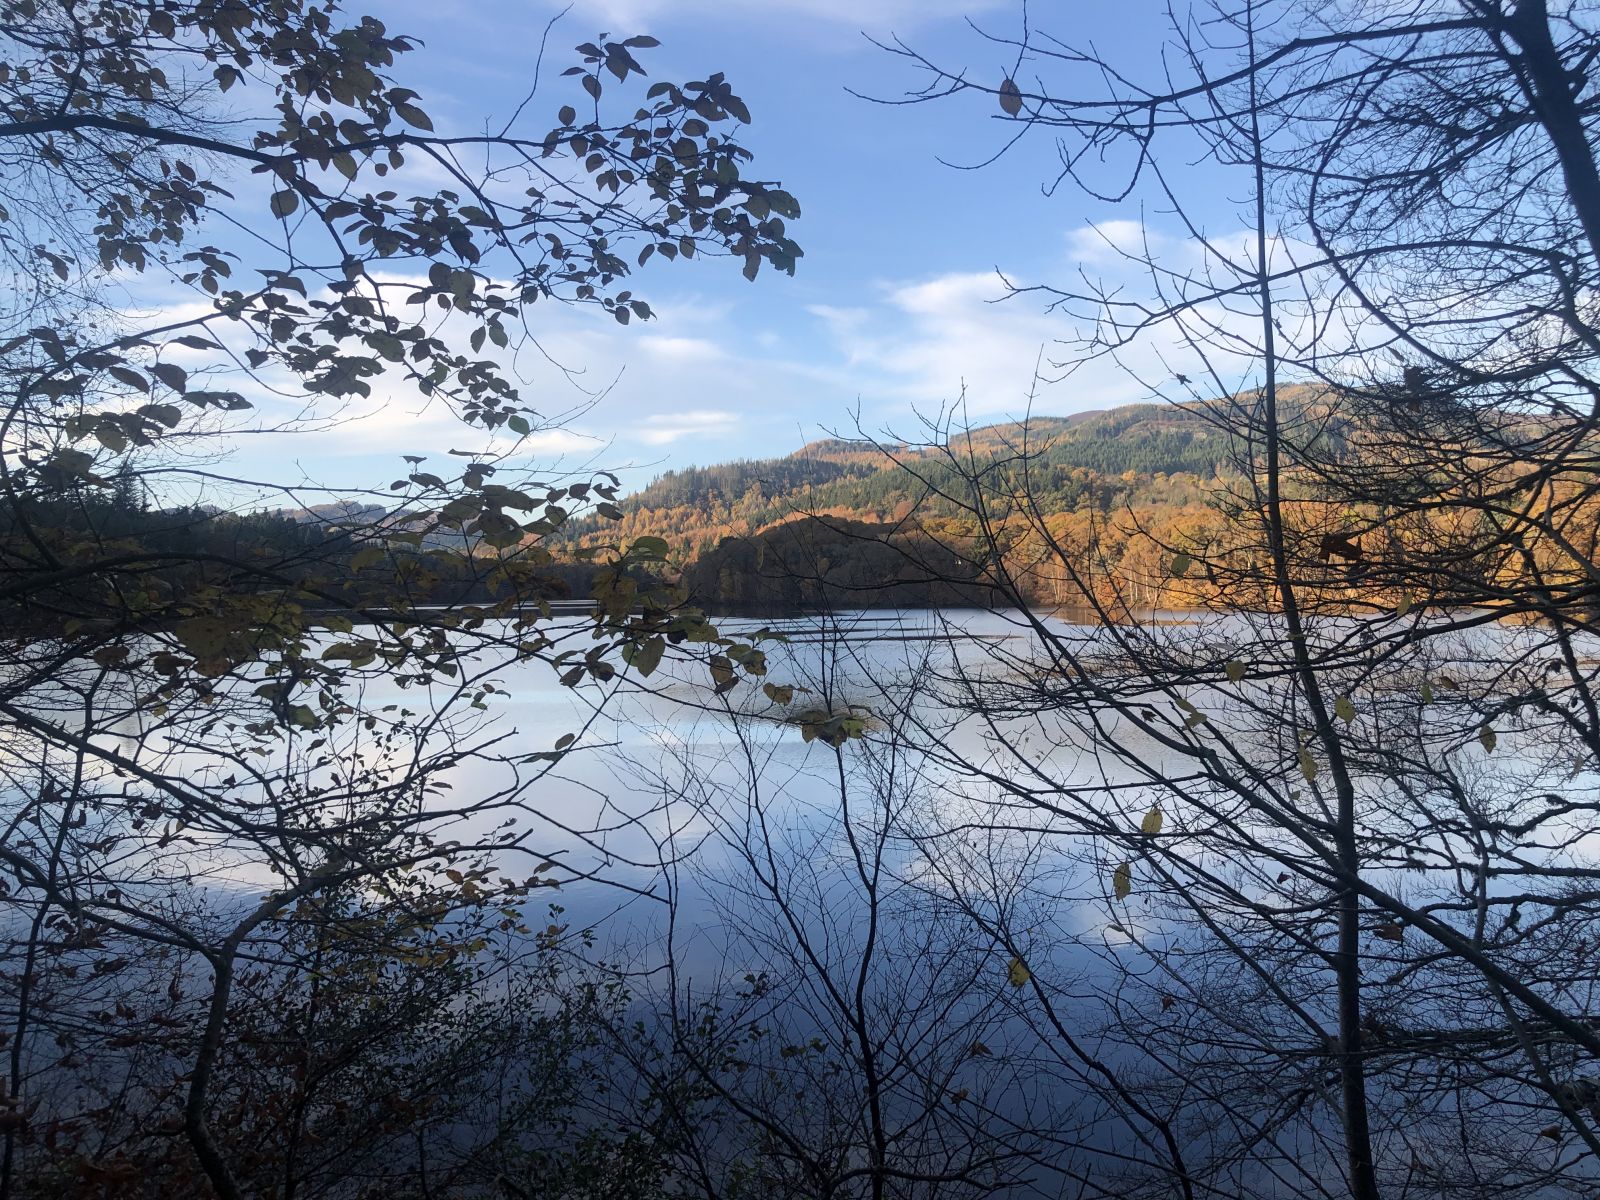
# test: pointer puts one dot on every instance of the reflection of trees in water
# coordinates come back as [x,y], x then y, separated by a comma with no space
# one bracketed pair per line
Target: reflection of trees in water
[874,1047]
[1177,999]
[828,993]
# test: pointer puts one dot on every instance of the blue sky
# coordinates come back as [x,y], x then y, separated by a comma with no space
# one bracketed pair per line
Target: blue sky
[890,313]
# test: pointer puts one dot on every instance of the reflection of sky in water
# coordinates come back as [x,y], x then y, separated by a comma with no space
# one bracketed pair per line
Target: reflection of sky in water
[670,787]
[658,761]
[654,757]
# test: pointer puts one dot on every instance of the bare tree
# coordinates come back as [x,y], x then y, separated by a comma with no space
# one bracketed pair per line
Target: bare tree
[825,1020]
[1338,816]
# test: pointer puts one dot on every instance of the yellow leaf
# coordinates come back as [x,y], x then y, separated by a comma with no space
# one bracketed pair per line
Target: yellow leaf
[1017,973]
[1402,608]
[1235,670]
[1195,716]
[1344,708]
[1122,881]
[1153,820]
[1308,765]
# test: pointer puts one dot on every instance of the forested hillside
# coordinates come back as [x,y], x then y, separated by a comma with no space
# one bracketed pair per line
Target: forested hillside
[1100,475]
[1149,454]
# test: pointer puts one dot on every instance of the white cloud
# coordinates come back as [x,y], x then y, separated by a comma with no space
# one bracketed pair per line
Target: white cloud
[961,335]
[681,349]
[662,429]
[1112,241]
[929,341]
[708,381]
[561,442]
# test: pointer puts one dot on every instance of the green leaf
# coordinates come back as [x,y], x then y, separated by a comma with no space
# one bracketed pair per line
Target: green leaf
[414,116]
[1344,708]
[1404,606]
[387,345]
[284,202]
[1235,670]
[130,377]
[358,654]
[1488,738]
[782,203]
[1181,564]
[649,548]
[647,657]
[204,637]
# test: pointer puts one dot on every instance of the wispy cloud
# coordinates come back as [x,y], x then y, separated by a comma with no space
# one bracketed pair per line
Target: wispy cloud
[924,344]
[709,381]
[662,429]
[1113,241]
[681,349]
[927,342]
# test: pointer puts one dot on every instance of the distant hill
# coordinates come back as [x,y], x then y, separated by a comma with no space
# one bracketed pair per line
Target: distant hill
[826,499]
[1153,454]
